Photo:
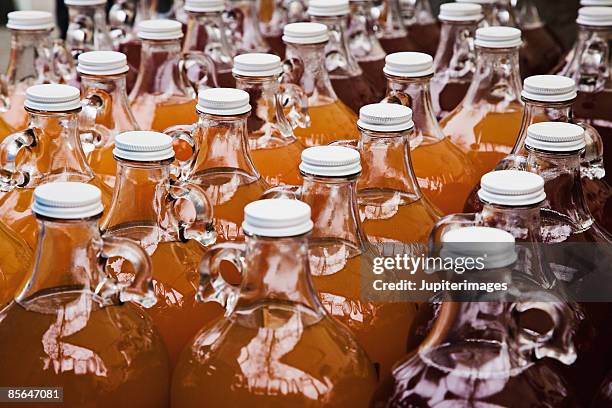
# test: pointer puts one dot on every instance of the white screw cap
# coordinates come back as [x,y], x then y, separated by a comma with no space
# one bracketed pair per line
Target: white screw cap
[498,37]
[477,1]
[257,65]
[84,2]
[102,63]
[555,137]
[160,30]
[30,20]
[277,218]
[223,101]
[595,16]
[385,117]
[305,33]
[461,12]
[143,146]
[408,64]
[549,88]
[596,3]
[330,161]
[67,200]
[513,188]
[328,8]
[204,6]
[53,98]
[494,246]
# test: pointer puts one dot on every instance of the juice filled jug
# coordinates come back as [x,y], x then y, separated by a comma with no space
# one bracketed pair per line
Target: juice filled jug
[14,264]
[106,110]
[221,162]
[445,174]
[487,121]
[35,58]
[206,32]
[423,29]
[393,32]
[147,207]
[164,95]
[455,59]
[364,44]
[329,118]
[72,324]
[347,77]
[276,331]
[87,28]
[274,148]
[243,27]
[48,150]
[388,190]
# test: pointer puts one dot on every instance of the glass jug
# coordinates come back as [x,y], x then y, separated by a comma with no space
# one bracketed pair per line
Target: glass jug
[445,174]
[106,111]
[423,29]
[242,24]
[220,161]
[74,325]
[87,28]
[149,206]
[274,148]
[393,33]
[329,118]
[487,121]
[48,150]
[347,77]
[164,95]
[455,59]
[35,58]
[276,331]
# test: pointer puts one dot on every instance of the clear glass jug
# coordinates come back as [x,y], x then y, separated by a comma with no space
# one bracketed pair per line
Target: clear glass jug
[87,28]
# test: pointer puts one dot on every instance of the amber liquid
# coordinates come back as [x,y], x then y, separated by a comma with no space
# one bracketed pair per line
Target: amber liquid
[158,116]
[425,37]
[329,123]
[356,91]
[131,49]
[14,264]
[598,195]
[15,118]
[448,96]
[277,44]
[393,45]
[279,164]
[541,52]
[5,129]
[486,137]
[101,357]
[373,72]
[274,356]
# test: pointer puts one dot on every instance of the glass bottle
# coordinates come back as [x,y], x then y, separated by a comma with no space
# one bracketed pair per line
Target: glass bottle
[274,148]
[364,44]
[393,33]
[487,121]
[455,59]
[276,331]
[206,32]
[221,162]
[388,190]
[72,324]
[87,28]
[35,58]
[48,150]
[445,174]
[164,95]
[423,29]
[478,353]
[329,118]
[147,207]
[106,110]
[17,257]
[242,24]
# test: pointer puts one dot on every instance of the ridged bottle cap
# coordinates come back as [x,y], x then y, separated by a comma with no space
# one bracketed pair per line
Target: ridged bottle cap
[494,246]
[328,8]
[555,137]
[330,161]
[498,37]
[67,200]
[461,12]
[84,2]
[549,88]
[408,64]
[513,188]
[30,20]
[385,117]
[595,16]
[102,63]
[204,6]
[277,218]
[477,1]
[53,98]
[143,146]
[257,65]
[223,101]
[305,33]
[604,3]
[160,30]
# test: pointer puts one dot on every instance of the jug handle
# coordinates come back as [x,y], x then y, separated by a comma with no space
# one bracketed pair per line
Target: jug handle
[211,278]
[64,61]
[140,290]
[205,64]
[448,223]
[444,322]
[183,134]
[10,148]
[283,192]
[5,102]
[200,226]
[293,100]
[91,105]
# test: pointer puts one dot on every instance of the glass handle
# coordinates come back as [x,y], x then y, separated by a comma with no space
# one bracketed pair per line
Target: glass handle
[64,61]
[593,69]
[592,165]
[233,20]
[120,15]
[198,70]
[91,137]
[447,315]
[5,102]
[446,224]
[285,191]
[11,176]
[196,223]
[294,103]
[140,290]
[185,146]
[213,288]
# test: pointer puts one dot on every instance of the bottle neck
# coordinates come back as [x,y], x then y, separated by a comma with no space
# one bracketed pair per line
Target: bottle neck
[113,103]
[363,43]
[414,93]
[310,73]
[522,222]
[392,24]
[338,58]
[456,57]
[206,32]
[31,58]
[540,112]
[87,29]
